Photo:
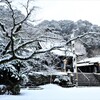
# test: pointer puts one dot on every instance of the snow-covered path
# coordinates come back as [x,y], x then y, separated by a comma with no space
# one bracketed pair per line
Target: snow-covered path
[54,92]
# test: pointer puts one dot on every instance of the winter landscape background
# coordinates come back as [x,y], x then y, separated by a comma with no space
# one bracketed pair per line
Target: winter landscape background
[29,50]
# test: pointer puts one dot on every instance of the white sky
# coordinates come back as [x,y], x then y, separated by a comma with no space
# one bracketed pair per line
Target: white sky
[68,10]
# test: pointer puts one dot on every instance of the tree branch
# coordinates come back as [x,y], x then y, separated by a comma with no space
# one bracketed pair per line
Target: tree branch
[12,12]
[4,30]
[2,27]
[2,61]
[13,27]
[53,48]
[6,48]
[24,44]
[27,11]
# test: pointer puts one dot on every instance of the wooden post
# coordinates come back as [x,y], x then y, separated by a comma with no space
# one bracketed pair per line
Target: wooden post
[74,58]
[65,63]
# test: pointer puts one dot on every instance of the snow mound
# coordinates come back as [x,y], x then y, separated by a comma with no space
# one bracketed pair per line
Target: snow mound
[50,86]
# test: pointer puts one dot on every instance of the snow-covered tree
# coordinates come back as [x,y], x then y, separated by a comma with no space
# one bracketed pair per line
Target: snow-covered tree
[18,42]
[14,43]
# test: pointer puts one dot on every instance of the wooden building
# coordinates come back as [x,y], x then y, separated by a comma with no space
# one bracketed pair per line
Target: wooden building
[89,65]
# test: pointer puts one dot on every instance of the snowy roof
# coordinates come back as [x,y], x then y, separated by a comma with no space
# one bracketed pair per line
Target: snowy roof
[93,59]
[84,64]
[61,51]
[61,73]
[88,61]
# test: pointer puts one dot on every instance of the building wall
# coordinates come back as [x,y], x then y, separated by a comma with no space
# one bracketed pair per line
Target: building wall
[88,79]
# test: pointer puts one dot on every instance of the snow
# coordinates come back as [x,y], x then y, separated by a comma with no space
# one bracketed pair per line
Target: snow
[62,52]
[93,59]
[53,40]
[84,64]
[88,61]
[49,73]
[54,92]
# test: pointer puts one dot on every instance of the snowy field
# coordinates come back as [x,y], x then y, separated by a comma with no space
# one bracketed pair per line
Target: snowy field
[54,92]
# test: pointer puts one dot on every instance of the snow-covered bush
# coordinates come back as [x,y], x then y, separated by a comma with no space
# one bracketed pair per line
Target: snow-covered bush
[25,79]
[10,77]
[2,89]
[64,80]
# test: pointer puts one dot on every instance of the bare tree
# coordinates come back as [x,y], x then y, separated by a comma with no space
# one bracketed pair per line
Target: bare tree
[15,29]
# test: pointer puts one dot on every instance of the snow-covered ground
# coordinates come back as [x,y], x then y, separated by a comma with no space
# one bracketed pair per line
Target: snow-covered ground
[54,92]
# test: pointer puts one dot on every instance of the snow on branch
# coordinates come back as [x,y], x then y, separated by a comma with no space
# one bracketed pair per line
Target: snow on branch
[6,48]
[4,30]
[80,36]
[39,51]
[53,48]
[69,41]
[6,59]
[48,37]
[16,26]
[24,44]
[2,27]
